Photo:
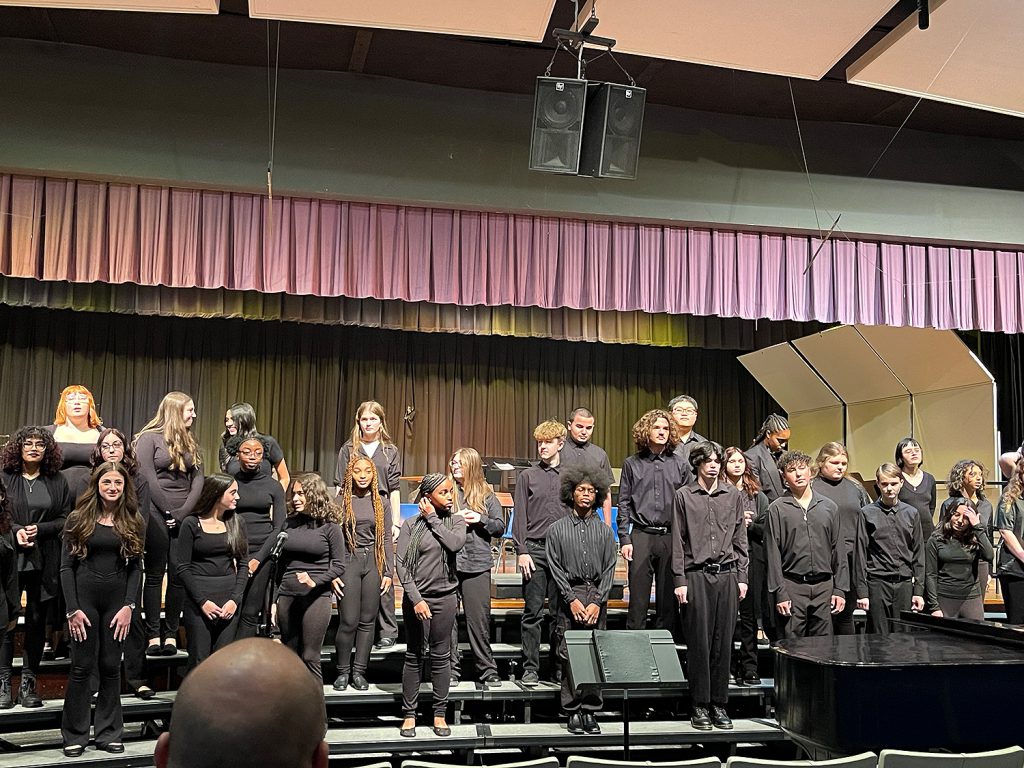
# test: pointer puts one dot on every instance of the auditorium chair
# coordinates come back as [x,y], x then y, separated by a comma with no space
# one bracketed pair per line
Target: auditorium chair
[543,762]
[596,762]
[864,760]
[1011,757]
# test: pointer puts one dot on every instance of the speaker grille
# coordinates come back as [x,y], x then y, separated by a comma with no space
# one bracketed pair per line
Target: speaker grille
[611,136]
[558,106]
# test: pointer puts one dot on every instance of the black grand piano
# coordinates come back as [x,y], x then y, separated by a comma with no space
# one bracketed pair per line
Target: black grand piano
[934,683]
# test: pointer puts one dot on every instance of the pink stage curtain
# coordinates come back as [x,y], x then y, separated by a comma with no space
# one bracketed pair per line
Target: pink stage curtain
[91,231]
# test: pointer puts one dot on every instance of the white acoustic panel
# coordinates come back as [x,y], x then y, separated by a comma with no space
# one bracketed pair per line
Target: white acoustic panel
[968,413]
[872,430]
[155,6]
[788,379]
[809,430]
[969,55]
[843,358]
[519,20]
[925,359]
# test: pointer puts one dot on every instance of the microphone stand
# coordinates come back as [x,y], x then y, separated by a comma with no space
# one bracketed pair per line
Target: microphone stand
[270,595]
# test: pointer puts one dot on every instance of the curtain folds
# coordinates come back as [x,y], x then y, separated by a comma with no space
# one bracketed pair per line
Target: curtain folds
[90,231]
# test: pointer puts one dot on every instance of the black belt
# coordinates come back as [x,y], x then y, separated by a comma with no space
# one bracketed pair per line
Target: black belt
[808,578]
[656,530]
[889,579]
[712,567]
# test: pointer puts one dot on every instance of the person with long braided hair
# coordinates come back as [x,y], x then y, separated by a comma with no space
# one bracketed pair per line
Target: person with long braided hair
[366,568]
[101,575]
[427,546]
[771,442]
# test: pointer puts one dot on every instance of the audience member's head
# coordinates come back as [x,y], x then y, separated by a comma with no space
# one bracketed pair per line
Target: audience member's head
[252,704]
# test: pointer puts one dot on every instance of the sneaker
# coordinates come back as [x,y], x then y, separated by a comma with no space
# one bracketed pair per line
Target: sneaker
[27,693]
[530,678]
[6,699]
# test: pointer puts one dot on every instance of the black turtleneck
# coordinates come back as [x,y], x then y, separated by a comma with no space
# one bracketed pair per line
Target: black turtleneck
[261,505]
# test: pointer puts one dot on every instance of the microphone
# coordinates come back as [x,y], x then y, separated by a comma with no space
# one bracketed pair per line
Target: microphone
[282,537]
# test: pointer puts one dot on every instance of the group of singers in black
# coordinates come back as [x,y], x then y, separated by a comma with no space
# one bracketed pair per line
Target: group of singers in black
[732,541]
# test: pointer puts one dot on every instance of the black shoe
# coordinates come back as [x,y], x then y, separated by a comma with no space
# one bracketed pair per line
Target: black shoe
[75,750]
[720,718]
[27,693]
[530,678]
[384,642]
[492,680]
[155,649]
[359,682]
[751,678]
[114,748]
[408,733]
[443,732]
[341,682]
[144,692]
[576,723]
[590,723]
[169,648]
[6,699]
[700,719]
[454,680]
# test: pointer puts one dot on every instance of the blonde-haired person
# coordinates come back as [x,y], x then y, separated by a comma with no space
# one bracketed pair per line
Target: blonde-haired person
[849,496]
[371,438]
[889,558]
[1010,522]
[481,509]
[169,460]
[367,565]
[967,481]
[75,427]
[538,503]
[100,575]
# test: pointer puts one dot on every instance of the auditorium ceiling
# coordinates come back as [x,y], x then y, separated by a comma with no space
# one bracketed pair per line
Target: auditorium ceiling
[733,58]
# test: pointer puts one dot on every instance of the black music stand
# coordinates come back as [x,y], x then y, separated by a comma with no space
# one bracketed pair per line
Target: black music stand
[624,660]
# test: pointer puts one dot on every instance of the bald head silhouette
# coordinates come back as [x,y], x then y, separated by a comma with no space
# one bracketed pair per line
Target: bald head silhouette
[252,704]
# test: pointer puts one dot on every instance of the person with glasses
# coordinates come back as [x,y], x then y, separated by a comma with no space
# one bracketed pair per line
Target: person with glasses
[684,412]
[481,509]
[40,503]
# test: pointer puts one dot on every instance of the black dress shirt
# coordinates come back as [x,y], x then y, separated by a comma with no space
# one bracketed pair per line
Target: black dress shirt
[803,544]
[575,454]
[763,463]
[647,487]
[581,551]
[889,545]
[687,444]
[537,503]
[708,528]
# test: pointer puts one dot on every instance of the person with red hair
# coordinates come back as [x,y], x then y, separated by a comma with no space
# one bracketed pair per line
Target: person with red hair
[76,428]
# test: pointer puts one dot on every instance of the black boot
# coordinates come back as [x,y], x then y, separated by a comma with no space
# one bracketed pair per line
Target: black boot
[29,698]
[6,698]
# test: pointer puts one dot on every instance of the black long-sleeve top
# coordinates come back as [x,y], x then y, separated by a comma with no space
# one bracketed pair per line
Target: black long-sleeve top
[575,454]
[708,528]
[386,459]
[804,543]
[261,506]
[103,560]
[758,506]
[581,551]
[647,488]
[171,491]
[923,499]
[44,555]
[951,570]
[438,544]
[10,592]
[202,555]
[850,498]
[986,513]
[1010,518]
[889,545]
[687,444]
[537,502]
[763,463]
[366,531]
[475,557]
[314,547]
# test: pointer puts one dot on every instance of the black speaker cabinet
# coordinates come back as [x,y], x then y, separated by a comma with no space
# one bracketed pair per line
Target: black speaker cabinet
[611,135]
[557,124]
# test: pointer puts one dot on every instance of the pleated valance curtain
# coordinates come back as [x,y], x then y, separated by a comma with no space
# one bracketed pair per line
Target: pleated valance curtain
[91,231]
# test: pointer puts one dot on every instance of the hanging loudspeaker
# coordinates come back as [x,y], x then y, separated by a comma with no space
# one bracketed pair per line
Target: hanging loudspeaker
[611,135]
[558,105]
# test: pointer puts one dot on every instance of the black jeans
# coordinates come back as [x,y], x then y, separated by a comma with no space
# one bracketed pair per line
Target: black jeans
[357,611]
[475,591]
[539,588]
[100,599]
[303,621]
[435,633]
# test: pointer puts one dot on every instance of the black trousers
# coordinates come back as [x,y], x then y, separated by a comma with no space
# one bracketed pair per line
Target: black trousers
[357,611]
[1013,598]
[254,602]
[709,620]
[100,598]
[475,593]
[433,634]
[387,619]
[745,658]
[539,588]
[652,563]
[160,560]
[135,647]
[971,608]
[29,582]
[208,635]
[885,601]
[589,696]
[303,621]
[811,610]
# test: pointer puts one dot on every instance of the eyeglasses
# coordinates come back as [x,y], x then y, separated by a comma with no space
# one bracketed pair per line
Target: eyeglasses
[247,452]
[33,444]
[112,446]
[685,411]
